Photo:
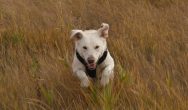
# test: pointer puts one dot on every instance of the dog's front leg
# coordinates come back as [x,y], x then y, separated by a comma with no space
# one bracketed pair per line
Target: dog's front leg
[107,74]
[83,78]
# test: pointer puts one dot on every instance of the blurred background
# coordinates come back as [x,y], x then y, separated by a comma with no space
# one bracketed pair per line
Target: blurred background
[148,40]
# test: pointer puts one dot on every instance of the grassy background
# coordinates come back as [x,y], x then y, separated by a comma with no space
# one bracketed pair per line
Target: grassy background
[148,40]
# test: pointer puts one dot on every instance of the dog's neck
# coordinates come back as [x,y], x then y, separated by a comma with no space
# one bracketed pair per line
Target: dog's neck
[92,73]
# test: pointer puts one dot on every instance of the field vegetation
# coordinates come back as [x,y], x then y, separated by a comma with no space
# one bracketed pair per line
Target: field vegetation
[148,40]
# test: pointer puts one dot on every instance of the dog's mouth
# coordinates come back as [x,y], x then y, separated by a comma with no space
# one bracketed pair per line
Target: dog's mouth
[91,66]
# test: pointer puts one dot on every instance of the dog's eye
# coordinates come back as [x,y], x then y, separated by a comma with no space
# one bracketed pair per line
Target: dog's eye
[96,47]
[84,47]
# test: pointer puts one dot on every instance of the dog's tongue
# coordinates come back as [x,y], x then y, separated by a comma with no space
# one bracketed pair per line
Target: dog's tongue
[91,66]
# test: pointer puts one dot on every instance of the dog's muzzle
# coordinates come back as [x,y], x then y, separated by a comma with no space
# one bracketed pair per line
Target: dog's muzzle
[91,66]
[91,63]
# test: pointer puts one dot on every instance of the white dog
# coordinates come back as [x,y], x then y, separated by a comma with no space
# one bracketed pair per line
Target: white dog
[91,53]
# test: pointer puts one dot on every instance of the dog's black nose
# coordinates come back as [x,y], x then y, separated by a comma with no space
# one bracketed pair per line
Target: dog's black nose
[90,60]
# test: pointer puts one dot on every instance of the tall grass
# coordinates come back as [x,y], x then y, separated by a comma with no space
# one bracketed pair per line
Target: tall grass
[148,40]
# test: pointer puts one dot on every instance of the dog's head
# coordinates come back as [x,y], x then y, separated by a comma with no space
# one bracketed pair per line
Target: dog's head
[91,44]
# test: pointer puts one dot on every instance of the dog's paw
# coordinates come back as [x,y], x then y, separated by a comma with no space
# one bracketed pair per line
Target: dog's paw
[85,83]
[104,81]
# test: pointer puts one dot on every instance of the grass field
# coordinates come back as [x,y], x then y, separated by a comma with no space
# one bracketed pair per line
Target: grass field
[148,40]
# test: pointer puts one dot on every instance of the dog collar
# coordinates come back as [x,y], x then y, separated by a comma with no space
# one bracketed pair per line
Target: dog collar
[92,73]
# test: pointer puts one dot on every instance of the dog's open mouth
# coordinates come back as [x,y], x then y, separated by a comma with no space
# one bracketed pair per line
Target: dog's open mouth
[91,66]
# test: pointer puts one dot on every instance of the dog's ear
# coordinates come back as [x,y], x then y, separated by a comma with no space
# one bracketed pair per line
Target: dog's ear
[76,34]
[103,31]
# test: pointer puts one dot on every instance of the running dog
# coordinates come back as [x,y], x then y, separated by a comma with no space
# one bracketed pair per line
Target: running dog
[91,54]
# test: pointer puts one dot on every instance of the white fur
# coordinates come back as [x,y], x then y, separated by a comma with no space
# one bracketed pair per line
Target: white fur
[91,39]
